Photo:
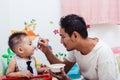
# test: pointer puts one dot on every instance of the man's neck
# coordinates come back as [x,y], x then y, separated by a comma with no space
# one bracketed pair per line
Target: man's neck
[88,46]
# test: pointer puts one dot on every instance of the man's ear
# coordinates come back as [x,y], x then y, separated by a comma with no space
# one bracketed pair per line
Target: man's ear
[74,35]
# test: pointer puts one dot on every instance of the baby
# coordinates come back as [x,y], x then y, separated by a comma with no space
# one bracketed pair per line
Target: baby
[24,63]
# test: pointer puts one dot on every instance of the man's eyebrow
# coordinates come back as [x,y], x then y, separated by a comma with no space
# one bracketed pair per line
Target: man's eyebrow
[62,35]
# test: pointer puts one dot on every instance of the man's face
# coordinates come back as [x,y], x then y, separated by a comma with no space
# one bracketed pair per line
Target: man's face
[66,40]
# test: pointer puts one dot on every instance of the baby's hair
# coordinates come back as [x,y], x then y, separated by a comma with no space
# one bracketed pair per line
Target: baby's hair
[15,39]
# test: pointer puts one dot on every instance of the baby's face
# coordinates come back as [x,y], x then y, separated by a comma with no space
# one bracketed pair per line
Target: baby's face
[27,46]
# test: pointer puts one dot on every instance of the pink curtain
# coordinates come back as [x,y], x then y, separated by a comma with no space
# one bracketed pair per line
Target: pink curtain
[93,11]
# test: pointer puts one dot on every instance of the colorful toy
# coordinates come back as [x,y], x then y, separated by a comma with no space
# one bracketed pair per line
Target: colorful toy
[74,72]
[37,63]
[0,72]
[3,66]
[9,55]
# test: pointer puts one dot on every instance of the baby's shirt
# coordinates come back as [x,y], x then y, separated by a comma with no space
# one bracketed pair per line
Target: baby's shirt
[22,64]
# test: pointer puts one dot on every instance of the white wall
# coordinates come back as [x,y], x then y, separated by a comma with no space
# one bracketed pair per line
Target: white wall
[108,33]
[4,23]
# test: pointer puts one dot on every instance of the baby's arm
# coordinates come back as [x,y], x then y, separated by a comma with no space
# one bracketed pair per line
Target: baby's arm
[42,69]
[11,71]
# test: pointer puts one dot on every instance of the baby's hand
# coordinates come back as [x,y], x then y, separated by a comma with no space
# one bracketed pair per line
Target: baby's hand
[46,69]
[26,73]
[43,70]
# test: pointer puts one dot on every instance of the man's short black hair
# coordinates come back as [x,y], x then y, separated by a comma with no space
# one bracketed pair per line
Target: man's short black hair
[72,23]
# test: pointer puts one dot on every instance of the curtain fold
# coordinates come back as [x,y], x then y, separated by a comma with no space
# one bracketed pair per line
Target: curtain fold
[93,11]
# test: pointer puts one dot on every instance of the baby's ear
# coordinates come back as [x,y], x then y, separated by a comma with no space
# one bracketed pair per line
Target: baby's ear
[20,50]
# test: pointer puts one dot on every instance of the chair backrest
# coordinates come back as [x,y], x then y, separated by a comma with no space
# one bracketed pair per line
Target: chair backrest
[74,72]
[3,66]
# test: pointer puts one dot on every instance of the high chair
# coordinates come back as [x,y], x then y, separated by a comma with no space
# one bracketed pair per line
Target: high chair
[39,77]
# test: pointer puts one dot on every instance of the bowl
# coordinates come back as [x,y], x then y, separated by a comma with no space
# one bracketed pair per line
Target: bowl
[56,67]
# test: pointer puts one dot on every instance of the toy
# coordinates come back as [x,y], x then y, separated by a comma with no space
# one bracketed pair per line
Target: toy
[74,72]
[0,73]
[9,55]
[4,64]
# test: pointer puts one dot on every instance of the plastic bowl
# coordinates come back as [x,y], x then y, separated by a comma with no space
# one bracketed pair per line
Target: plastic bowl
[56,67]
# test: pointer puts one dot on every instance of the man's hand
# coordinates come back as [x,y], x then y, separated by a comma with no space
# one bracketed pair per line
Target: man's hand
[61,75]
[43,45]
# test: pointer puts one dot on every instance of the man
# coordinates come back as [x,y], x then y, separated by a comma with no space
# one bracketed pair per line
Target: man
[95,59]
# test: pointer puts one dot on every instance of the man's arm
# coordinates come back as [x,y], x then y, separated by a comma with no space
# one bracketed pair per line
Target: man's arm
[43,46]
[52,59]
